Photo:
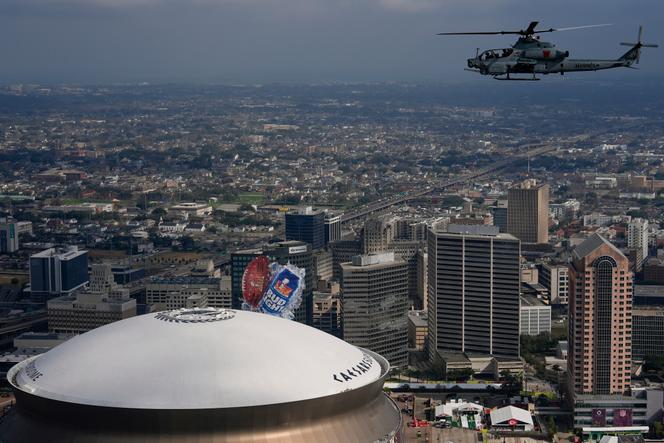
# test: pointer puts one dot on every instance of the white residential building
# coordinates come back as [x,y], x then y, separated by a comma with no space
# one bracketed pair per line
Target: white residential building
[637,240]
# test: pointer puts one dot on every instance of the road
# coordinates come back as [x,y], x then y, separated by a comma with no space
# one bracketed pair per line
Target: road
[363,211]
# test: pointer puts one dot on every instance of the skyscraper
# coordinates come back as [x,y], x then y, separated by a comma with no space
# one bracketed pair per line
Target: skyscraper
[500,217]
[8,236]
[528,212]
[555,278]
[600,319]
[637,240]
[332,228]
[375,305]
[58,271]
[473,301]
[307,226]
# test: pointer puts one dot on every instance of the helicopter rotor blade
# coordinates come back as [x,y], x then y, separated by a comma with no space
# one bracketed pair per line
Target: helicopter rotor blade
[572,28]
[527,32]
[480,33]
[531,28]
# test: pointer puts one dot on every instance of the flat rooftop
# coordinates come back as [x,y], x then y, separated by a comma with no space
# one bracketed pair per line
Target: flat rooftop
[530,301]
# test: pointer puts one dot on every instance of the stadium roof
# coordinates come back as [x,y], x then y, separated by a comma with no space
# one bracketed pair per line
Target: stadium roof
[196,359]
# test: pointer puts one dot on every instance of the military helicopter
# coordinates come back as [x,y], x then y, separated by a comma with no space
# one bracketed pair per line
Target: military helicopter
[530,55]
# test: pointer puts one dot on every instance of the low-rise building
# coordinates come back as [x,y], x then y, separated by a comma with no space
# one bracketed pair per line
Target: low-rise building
[188,292]
[535,316]
[511,418]
[191,208]
[79,313]
[417,330]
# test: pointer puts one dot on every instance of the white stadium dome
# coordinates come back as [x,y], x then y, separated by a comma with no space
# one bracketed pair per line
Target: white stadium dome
[202,374]
[211,359]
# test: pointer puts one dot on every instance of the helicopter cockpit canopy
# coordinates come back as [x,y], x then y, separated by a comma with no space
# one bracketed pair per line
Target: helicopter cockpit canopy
[490,54]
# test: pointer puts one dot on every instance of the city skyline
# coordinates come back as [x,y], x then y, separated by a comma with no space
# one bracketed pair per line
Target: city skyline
[302,220]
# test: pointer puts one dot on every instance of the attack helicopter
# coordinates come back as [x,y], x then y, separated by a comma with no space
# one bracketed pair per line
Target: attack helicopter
[530,55]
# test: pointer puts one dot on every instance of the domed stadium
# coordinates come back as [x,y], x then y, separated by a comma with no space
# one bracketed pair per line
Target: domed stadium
[202,375]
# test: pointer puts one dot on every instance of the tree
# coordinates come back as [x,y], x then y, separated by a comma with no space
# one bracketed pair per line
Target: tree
[591,199]
[512,383]
[460,374]
[158,212]
[188,243]
[452,200]
[658,429]
[551,427]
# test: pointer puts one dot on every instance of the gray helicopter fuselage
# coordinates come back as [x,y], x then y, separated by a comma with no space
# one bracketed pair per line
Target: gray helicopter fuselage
[531,56]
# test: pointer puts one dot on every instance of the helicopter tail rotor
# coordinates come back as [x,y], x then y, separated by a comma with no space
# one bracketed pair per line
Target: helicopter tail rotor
[634,54]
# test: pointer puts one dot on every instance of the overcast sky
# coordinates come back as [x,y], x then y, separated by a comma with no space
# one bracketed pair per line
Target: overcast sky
[239,41]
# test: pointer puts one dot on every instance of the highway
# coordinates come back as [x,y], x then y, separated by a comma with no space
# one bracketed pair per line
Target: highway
[381,205]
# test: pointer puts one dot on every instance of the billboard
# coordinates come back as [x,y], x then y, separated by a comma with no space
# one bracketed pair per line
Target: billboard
[297,249]
[272,288]
[622,417]
[599,417]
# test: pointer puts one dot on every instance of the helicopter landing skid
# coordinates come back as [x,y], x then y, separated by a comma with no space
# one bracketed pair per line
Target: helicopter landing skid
[517,79]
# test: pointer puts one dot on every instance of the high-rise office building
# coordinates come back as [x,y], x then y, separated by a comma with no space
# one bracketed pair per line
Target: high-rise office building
[422,283]
[327,312]
[500,216]
[600,319]
[332,227]
[408,251]
[528,212]
[306,225]
[8,236]
[555,278]
[58,271]
[637,240]
[647,332]
[375,305]
[473,300]
[297,253]
[323,264]
[343,251]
